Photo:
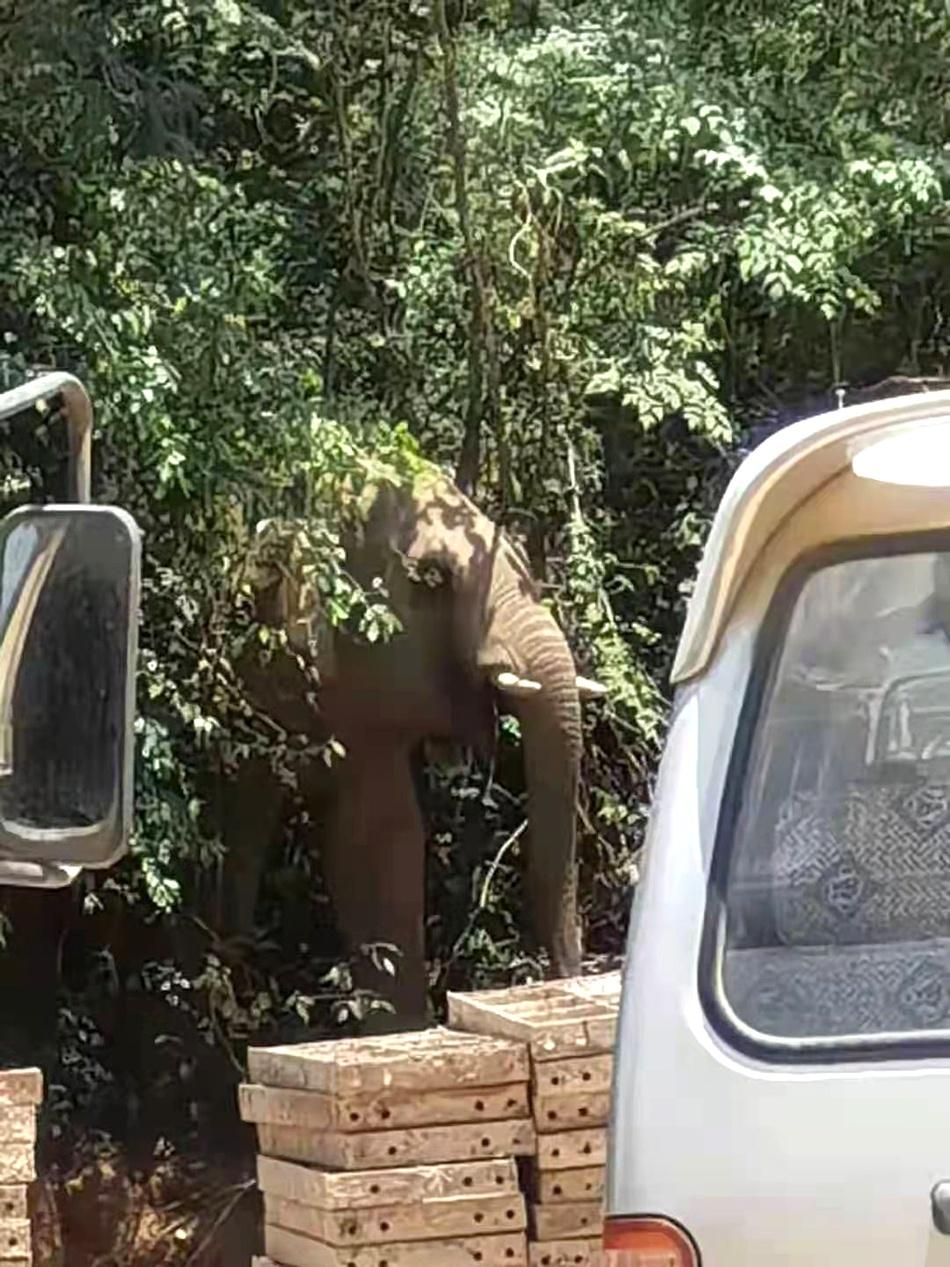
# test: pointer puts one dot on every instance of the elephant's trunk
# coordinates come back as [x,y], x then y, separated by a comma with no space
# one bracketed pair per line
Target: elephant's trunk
[551,735]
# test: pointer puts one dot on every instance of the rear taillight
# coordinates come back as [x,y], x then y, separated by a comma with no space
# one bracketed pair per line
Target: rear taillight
[647,1243]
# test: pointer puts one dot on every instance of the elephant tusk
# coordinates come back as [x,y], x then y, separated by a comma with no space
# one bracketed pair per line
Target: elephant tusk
[587,688]
[512,684]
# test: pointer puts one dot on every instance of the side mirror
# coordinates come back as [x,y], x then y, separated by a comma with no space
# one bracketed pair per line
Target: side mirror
[69,595]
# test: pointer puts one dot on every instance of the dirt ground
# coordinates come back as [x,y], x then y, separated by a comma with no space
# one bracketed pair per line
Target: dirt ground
[183,1214]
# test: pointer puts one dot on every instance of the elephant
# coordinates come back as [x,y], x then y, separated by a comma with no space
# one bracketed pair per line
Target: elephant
[475,640]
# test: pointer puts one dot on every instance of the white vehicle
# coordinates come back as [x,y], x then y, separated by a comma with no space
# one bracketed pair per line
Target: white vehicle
[782,1074]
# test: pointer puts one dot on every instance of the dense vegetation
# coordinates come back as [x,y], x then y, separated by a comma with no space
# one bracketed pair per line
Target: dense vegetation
[572,251]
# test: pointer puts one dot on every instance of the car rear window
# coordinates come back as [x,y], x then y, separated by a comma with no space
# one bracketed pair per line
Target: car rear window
[832,894]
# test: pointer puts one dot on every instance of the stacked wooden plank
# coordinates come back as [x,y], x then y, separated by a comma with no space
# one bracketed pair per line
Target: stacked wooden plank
[21,1091]
[569,1028]
[392,1152]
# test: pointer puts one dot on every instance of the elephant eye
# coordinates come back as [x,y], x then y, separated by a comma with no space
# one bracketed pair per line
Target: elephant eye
[426,572]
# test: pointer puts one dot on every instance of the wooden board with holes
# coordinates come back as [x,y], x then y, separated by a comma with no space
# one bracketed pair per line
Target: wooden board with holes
[587,1253]
[17,1163]
[359,1190]
[13,1201]
[18,1124]
[20,1086]
[426,1060]
[443,1219]
[14,1240]
[552,1021]
[313,1110]
[569,1221]
[586,1183]
[425,1145]
[567,1077]
[294,1250]
[567,1150]
[572,1112]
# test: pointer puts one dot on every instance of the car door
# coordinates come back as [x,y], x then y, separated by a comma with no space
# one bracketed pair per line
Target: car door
[782,1090]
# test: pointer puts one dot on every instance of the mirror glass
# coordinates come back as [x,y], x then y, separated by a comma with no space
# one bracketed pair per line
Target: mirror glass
[68,615]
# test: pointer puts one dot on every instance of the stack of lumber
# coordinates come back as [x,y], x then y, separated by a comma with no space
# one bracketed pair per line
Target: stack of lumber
[392,1152]
[569,1028]
[21,1091]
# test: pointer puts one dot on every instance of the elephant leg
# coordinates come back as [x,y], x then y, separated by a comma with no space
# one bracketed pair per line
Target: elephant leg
[30,972]
[250,812]
[374,865]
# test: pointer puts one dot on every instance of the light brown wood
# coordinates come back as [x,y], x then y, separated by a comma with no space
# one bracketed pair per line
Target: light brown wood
[280,1106]
[572,1219]
[584,1184]
[21,1086]
[426,1060]
[567,1077]
[18,1124]
[359,1190]
[294,1250]
[427,1145]
[424,1221]
[552,1021]
[17,1163]
[572,1112]
[570,1149]
[13,1201]
[603,986]
[15,1241]
[567,1253]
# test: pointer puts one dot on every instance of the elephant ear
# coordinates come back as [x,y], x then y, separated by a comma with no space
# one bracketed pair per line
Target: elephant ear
[429,571]
[285,596]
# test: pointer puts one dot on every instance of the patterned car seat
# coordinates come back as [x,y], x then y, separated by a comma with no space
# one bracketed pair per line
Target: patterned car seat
[859,906]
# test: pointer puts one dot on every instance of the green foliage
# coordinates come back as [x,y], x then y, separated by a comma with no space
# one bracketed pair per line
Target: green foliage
[567,249]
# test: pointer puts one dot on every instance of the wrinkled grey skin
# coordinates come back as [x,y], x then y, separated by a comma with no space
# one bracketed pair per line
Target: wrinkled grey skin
[434,681]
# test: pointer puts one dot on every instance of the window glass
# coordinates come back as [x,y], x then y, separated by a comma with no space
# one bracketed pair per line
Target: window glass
[837,919]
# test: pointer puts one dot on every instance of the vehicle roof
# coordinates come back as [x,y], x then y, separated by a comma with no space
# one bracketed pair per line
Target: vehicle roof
[778,476]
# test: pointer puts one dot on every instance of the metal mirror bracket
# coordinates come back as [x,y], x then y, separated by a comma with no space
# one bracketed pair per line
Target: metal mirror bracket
[78,410]
[37,875]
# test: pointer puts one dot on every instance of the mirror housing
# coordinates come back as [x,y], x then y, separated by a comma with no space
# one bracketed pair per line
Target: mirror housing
[69,596]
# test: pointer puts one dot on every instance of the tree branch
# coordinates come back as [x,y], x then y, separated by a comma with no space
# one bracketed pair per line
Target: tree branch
[480,326]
